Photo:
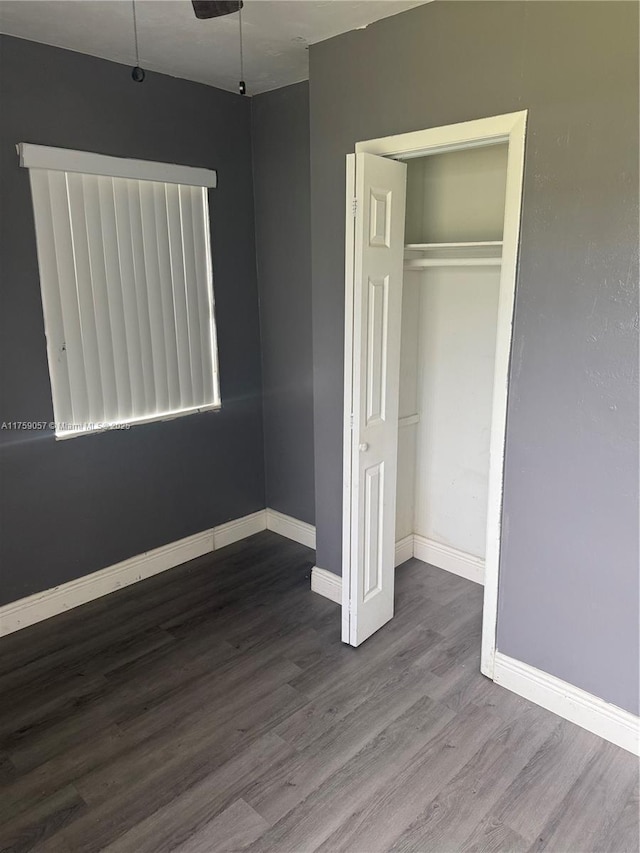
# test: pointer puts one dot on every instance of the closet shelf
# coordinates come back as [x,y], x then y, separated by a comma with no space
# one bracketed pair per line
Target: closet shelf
[409,420]
[477,254]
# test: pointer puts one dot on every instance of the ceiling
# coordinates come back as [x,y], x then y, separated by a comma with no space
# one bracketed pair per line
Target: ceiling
[172,40]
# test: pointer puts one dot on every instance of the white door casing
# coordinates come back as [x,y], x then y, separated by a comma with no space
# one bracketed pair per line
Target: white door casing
[376,187]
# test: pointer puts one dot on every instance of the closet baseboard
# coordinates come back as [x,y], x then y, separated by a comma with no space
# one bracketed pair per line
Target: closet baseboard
[450,559]
[404,549]
[441,556]
[43,605]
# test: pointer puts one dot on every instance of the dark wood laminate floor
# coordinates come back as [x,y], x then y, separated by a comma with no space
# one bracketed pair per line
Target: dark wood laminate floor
[214,708]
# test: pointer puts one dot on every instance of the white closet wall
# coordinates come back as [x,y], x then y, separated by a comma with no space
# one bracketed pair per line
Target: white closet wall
[458,315]
[457,196]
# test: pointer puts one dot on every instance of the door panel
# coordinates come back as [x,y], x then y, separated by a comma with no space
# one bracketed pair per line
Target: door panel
[375,239]
[373,525]
[376,348]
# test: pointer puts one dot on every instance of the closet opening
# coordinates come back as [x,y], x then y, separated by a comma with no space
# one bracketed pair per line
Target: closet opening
[432,244]
[454,225]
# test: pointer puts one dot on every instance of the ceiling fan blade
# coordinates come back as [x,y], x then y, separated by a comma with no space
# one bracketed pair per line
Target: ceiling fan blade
[215,8]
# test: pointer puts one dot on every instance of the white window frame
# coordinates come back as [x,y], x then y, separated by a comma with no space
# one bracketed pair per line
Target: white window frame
[62,160]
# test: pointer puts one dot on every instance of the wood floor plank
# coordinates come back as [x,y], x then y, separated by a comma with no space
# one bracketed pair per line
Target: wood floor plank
[270,581]
[463,685]
[465,642]
[25,831]
[341,697]
[192,810]
[392,807]
[453,814]
[280,788]
[194,748]
[80,717]
[592,806]
[57,702]
[345,662]
[217,779]
[7,771]
[624,835]
[147,686]
[531,799]
[493,836]
[60,671]
[214,707]
[233,830]
[26,791]
[216,693]
[309,824]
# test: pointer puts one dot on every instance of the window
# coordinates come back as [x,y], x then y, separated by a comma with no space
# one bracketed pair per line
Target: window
[124,253]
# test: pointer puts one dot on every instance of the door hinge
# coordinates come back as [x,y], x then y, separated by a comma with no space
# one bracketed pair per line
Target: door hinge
[354,206]
[351,420]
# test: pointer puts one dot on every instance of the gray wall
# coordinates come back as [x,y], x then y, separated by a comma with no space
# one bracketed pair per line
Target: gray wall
[280,133]
[75,506]
[569,574]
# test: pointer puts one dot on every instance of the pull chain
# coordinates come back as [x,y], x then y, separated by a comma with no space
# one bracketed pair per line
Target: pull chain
[137,73]
[242,86]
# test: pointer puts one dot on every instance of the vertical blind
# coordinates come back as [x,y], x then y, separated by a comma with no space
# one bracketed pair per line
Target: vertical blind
[126,279]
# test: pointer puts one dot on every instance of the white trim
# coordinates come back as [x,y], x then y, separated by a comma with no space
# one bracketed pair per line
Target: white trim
[404,549]
[291,528]
[450,559]
[449,137]
[349,484]
[509,128]
[497,442]
[327,584]
[88,163]
[584,709]
[239,528]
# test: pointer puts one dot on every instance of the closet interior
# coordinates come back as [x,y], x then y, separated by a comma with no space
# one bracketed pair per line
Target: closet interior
[452,262]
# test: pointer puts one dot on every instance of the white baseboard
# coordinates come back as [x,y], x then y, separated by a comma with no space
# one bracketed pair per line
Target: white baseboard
[291,528]
[584,709]
[239,528]
[404,549]
[448,558]
[327,584]
[441,556]
[42,605]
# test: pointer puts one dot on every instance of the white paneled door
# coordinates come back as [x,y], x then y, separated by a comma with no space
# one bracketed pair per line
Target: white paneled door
[376,188]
